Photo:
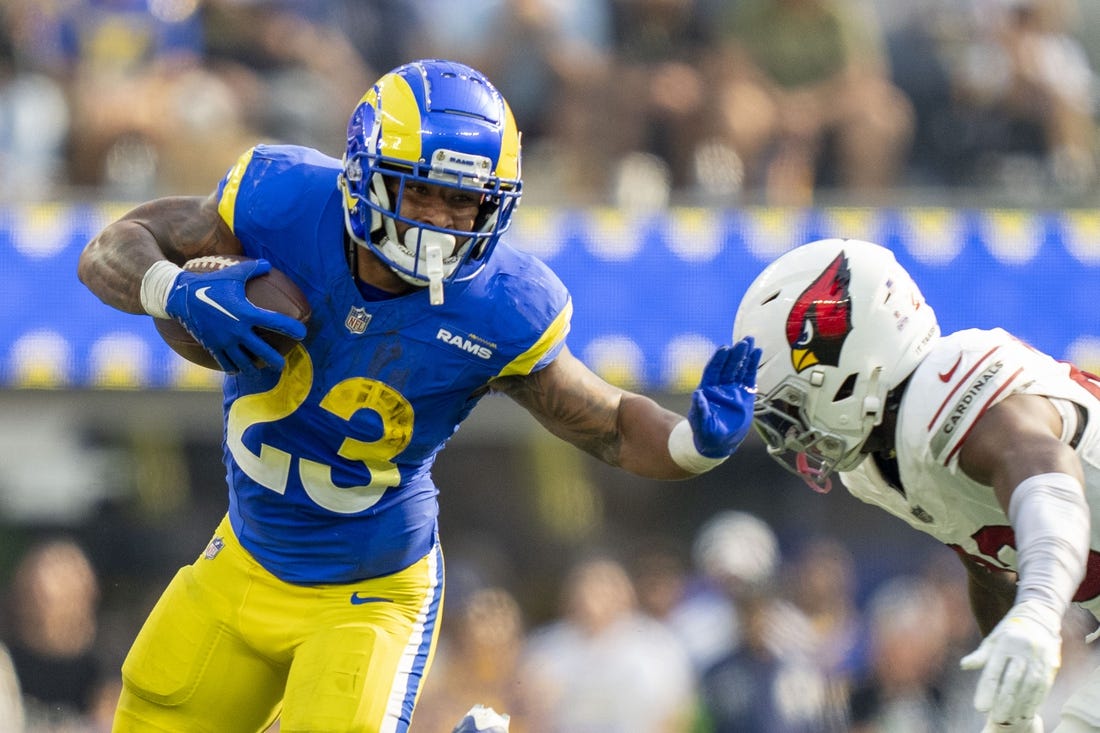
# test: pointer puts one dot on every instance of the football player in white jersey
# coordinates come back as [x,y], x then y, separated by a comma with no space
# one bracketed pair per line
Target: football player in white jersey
[974,438]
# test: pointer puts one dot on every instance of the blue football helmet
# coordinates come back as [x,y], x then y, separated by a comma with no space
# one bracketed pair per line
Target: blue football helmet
[438,122]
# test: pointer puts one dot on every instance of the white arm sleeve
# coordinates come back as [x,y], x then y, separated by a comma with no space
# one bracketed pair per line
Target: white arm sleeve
[1052,524]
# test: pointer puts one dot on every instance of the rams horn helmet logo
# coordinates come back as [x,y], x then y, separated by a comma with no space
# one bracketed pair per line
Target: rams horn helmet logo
[821,318]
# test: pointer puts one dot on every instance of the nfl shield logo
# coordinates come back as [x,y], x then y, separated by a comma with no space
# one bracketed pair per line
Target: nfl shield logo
[357,320]
[213,548]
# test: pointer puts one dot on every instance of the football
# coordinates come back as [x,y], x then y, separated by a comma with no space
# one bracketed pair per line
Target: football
[273,291]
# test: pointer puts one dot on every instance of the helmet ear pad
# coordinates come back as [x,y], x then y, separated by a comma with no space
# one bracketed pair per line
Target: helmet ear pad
[380,196]
[486,220]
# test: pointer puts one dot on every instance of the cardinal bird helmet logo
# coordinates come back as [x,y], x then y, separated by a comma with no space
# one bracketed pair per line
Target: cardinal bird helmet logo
[821,318]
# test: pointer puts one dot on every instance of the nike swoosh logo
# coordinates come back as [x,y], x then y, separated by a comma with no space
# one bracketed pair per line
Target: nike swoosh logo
[358,600]
[946,376]
[201,295]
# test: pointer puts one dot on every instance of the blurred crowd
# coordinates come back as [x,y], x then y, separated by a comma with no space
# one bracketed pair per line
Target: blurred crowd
[637,102]
[737,634]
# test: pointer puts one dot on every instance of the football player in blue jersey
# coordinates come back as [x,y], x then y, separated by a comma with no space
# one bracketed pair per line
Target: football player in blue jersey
[317,600]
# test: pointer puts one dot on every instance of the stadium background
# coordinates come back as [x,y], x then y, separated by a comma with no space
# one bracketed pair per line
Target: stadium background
[107,437]
[113,439]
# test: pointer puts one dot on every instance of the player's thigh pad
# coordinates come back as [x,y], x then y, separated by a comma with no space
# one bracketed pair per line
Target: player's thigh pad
[188,671]
[174,645]
[362,669]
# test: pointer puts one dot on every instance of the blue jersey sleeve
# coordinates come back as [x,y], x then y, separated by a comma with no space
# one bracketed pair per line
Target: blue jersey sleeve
[269,187]
[532,311]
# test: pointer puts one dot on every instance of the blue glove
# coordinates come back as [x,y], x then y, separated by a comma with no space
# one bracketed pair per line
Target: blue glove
[213,308]
[721,407]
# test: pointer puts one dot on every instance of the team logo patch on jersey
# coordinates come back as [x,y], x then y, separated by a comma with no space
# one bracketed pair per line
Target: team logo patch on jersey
[470,343]
[821,318]
[213,548]
[922,515]
[357,319]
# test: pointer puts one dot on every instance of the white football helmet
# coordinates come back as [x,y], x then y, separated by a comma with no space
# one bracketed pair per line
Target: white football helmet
[840,324]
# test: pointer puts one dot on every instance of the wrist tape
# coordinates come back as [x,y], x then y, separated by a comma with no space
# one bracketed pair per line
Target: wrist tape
[681,447]
[155,284]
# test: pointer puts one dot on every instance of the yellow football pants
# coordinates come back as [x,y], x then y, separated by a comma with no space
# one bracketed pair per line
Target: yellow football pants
[229,647]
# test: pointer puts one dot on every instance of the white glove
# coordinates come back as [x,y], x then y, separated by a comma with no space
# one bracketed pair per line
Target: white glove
[1019,660]
[1028,725]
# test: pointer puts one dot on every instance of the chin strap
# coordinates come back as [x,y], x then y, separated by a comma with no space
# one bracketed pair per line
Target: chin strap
[431,245]
[435,274]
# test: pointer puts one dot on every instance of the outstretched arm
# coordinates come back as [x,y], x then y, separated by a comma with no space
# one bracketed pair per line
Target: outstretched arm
[632,431]
[1039,482]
